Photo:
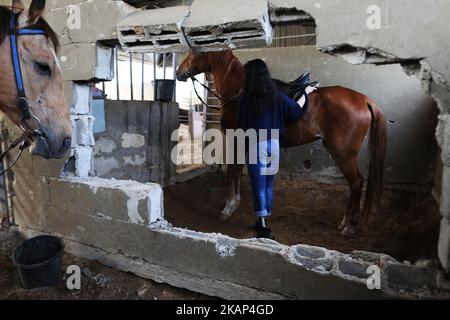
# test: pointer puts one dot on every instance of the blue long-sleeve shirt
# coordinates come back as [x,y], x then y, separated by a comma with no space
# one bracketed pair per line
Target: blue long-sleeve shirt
[273,118]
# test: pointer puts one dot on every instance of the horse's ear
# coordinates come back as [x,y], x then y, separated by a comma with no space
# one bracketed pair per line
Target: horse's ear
[17,6]
[36,11]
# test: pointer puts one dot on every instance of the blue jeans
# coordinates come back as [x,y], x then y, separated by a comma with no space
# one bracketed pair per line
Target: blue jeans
[263,164]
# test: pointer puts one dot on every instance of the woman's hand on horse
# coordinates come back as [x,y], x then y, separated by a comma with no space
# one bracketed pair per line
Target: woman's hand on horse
[310,89]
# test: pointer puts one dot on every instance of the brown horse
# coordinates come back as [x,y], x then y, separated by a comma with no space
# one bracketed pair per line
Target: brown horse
[339,116]
[42,80]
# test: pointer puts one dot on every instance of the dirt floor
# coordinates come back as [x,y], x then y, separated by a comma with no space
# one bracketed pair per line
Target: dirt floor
[305,212]
[98,282]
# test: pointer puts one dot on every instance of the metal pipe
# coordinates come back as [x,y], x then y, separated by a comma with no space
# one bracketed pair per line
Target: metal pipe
[131,76]
[117,73]
[174,67]
[143,77]
[154,76]
[295,36]
[164,65]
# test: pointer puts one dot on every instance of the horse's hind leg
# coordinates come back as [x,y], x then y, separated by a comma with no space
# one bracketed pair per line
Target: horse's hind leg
[349,168]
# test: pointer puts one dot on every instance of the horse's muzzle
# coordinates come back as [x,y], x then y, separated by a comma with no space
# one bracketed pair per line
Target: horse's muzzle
[50,146]
[183,76]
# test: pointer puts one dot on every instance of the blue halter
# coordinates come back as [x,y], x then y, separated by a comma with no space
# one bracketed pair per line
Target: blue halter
[22,99]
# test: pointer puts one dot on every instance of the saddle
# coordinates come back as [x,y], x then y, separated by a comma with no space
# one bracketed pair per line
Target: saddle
[296,88]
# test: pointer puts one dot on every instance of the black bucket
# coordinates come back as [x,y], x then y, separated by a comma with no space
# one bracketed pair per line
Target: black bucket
[39,261]
[164,90]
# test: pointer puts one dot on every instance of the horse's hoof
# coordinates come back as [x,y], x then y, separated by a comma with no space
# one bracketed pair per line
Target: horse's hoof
[342,225]
[348,231]
[225,217]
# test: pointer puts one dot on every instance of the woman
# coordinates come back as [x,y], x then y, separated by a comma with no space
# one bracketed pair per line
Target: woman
[265,109]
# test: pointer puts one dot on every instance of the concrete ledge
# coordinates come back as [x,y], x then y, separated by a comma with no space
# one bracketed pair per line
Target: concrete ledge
[221,266]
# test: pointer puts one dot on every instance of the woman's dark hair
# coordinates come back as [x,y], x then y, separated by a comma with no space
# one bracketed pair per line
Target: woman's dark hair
[259,87]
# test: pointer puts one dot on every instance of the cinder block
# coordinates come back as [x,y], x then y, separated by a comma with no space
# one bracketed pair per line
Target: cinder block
[82,133]
[121,201]
[81,95]
[154,30]
[87,62]
[444,244]
[218,25]
[83,161]
[314,258]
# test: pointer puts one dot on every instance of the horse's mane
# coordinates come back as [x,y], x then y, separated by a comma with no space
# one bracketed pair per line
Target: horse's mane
[5,14]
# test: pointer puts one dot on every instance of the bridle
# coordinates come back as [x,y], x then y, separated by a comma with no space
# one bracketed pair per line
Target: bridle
[222,100]
[24,141]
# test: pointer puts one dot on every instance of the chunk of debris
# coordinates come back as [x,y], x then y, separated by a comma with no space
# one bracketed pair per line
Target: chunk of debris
[217,25]
[156,30]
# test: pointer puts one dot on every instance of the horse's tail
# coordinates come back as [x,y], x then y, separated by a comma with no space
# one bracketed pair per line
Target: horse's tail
[377,146]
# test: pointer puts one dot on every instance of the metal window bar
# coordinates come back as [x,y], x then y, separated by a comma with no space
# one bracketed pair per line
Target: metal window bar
[117,73]
[164,65]
[295,36]
[154,76]
[174,70]
[142,76]
[131,77]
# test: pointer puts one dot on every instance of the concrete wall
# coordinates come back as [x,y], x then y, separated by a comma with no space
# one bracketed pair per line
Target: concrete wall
[137,142]
[411,113]
[221,266]
[120,232]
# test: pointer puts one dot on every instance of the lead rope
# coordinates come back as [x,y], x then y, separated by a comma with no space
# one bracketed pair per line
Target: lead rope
[22,143]
[222,100]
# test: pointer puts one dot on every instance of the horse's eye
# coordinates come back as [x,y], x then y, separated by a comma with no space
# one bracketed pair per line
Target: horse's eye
[43,68]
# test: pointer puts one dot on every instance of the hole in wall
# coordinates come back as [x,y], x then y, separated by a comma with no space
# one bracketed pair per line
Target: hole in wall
[307,164]
[208,193]
[139,43]
[200,33]
[164,33]
[128,32]
[311,201]
[206,42]
[168,42]
[237,30]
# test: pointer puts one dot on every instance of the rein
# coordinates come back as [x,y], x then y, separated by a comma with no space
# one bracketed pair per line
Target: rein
[222,100]
[24,141]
